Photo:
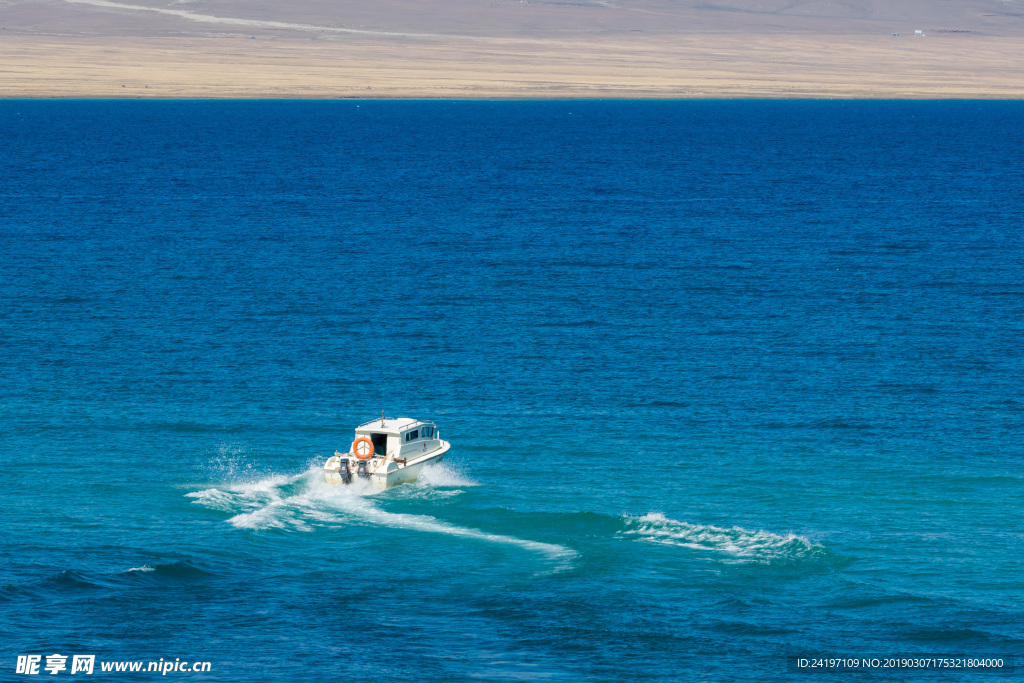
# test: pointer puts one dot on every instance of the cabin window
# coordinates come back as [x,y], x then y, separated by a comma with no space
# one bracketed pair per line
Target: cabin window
[415,434]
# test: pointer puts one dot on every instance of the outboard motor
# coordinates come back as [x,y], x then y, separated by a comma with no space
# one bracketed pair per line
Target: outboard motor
[361,470]
[344,472]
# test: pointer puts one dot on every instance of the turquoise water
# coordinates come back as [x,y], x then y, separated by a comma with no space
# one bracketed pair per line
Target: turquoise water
[725,383]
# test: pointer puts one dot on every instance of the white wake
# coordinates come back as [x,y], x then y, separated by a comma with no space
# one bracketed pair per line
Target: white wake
[734,544]
[305,501]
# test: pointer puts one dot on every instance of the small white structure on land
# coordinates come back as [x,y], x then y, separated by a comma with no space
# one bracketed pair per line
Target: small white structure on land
[919,33]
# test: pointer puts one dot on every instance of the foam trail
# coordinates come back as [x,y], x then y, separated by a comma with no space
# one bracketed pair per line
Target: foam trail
[741,545]
[442,475]
[303,501]
[258,505]
[435,482]
[363,509]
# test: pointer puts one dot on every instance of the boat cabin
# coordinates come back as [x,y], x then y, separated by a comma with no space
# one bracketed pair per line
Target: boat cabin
[399,437]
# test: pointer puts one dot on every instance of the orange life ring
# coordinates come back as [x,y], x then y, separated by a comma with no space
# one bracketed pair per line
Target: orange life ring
[358,453]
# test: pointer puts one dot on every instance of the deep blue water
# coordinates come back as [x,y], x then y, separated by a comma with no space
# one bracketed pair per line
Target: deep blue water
[725,382]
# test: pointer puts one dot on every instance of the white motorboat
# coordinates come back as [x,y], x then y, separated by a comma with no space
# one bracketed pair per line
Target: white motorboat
[387,452]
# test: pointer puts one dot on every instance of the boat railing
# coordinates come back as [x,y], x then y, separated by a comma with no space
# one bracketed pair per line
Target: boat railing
[415,423]
[382,419]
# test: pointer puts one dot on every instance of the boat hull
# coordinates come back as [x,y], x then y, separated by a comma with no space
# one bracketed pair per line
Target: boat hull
[407,474]
[387,472]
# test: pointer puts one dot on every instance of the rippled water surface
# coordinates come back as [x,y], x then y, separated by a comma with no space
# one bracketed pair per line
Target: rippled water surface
[725,382]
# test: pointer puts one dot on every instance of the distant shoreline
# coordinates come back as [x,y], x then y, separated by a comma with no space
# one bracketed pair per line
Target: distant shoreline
[727,66]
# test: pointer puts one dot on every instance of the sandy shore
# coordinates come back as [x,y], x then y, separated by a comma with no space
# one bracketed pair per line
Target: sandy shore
[353,66]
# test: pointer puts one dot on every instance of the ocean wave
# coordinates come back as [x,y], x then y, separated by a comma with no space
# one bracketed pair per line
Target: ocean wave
[10,592]
[72,581]
[174,570]
[733,545]
[952,635]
